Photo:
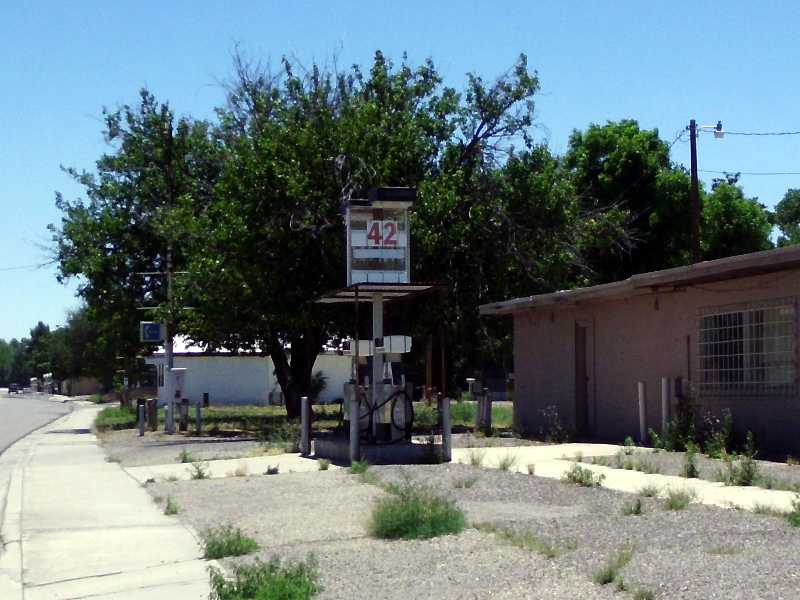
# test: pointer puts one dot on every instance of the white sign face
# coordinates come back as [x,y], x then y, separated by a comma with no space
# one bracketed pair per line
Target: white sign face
[377,245]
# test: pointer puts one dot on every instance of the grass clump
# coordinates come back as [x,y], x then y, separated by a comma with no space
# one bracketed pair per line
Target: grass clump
[476,457]
[582,476]
[630,445]
[793,516]
[612,570]
[465,483]
[643,595]
[185,456]
[528,540]
[414,511]
[507,461]
[171,508]
[323,464]
[649,491]
[266,581]
[679,499]
[225,541]
[198,471]
[359,467]
[724,550]
[113,417]
[632,508]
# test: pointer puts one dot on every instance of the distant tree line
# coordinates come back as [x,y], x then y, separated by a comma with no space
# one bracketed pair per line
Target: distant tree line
[75,349]
[248,208]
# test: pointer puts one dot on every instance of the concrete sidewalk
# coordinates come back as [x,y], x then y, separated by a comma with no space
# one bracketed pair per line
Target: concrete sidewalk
[75,526]
[553,461]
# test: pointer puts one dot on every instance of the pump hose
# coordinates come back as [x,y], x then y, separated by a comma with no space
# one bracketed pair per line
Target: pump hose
[405,427]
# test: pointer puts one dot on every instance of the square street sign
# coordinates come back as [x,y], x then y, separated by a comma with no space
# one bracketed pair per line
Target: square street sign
[150,332]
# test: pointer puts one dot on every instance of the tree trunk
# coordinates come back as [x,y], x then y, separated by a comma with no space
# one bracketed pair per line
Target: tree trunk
[295,377]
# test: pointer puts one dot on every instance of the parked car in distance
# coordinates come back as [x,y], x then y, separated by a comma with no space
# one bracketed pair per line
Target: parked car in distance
[14,388]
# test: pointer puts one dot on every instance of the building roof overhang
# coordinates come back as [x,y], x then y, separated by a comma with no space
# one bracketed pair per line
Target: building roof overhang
[723,269]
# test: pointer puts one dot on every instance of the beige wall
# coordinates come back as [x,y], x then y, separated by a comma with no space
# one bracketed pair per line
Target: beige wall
[641,338]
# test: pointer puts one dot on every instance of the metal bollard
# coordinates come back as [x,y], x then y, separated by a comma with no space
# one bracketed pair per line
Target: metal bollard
[487,412]
[141,419]
[305,426]
[355,411]
[183,415]
[198,418]
[447,440]
[152,414]
[206,400]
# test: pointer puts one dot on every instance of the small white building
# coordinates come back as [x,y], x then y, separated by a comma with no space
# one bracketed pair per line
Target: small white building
[241,378]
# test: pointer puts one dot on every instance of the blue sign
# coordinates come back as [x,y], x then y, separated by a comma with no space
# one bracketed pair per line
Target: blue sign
[151,332]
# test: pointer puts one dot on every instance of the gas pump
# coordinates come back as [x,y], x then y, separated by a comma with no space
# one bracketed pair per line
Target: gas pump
[386,411]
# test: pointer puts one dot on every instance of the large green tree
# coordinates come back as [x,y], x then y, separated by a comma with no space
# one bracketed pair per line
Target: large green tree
[787,218]
[158,175]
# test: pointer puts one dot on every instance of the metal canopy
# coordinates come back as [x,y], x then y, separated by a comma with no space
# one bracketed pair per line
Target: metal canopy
[365,292]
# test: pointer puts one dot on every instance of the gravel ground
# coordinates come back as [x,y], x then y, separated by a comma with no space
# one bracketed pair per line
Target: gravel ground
[699,553]
[156,448]
[671,463]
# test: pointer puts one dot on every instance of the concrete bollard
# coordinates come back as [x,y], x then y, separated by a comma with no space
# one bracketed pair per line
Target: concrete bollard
[198,419]
[447,440]
[665,400]
[141,410]
[183,415]
[642,392]
[355,412]
[305,426]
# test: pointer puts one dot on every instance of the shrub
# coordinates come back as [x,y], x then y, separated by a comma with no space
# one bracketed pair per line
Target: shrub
[745,472]
[425,417]
[690,462]
[718,434]
[630,445]
[792,461]
[679,499]
[272,470]
[185,456]
[266,581]
[645,466]
[198,471]
[582,476]
[609,572]
[283,435]
[655,439]
[171,508]
[323,464]
[415,512]
[359,467]
[227,541]
[507,461]
[633,507]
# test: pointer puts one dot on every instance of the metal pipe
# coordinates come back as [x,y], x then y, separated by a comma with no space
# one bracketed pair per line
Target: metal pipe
[305,426]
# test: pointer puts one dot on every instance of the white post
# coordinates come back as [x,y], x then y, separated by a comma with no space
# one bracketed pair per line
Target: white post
[664,404]
[642,414]
[377,358]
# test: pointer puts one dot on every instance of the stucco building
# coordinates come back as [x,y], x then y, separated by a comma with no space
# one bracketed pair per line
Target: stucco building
[241,378]
[727,328]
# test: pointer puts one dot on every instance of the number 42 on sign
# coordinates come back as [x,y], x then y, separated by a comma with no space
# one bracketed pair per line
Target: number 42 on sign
[382,233]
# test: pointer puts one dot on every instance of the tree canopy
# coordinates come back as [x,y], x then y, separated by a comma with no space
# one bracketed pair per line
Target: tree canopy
[248,209]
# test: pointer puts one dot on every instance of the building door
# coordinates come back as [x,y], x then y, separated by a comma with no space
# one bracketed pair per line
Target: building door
[581,382]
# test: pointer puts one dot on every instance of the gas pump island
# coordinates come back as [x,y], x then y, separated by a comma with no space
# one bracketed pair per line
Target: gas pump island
[378,408]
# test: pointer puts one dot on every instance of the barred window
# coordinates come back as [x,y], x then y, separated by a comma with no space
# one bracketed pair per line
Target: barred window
[748,350]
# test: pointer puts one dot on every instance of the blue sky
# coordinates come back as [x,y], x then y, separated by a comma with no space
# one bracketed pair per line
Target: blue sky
[663,64]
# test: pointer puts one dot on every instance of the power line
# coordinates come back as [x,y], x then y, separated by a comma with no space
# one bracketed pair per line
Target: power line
[734,171]
[761,133]
[35,267]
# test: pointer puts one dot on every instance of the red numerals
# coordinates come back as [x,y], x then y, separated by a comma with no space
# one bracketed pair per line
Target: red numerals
[374,233]
[390,233]
[382,233]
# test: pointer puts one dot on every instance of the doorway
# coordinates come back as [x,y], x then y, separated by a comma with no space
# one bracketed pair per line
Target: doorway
[581,382]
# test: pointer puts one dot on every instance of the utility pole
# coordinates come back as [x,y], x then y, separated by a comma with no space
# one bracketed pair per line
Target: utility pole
[694,194]
[168,349]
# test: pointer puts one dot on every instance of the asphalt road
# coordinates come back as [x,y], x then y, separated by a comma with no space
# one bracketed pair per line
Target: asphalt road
[22,413]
